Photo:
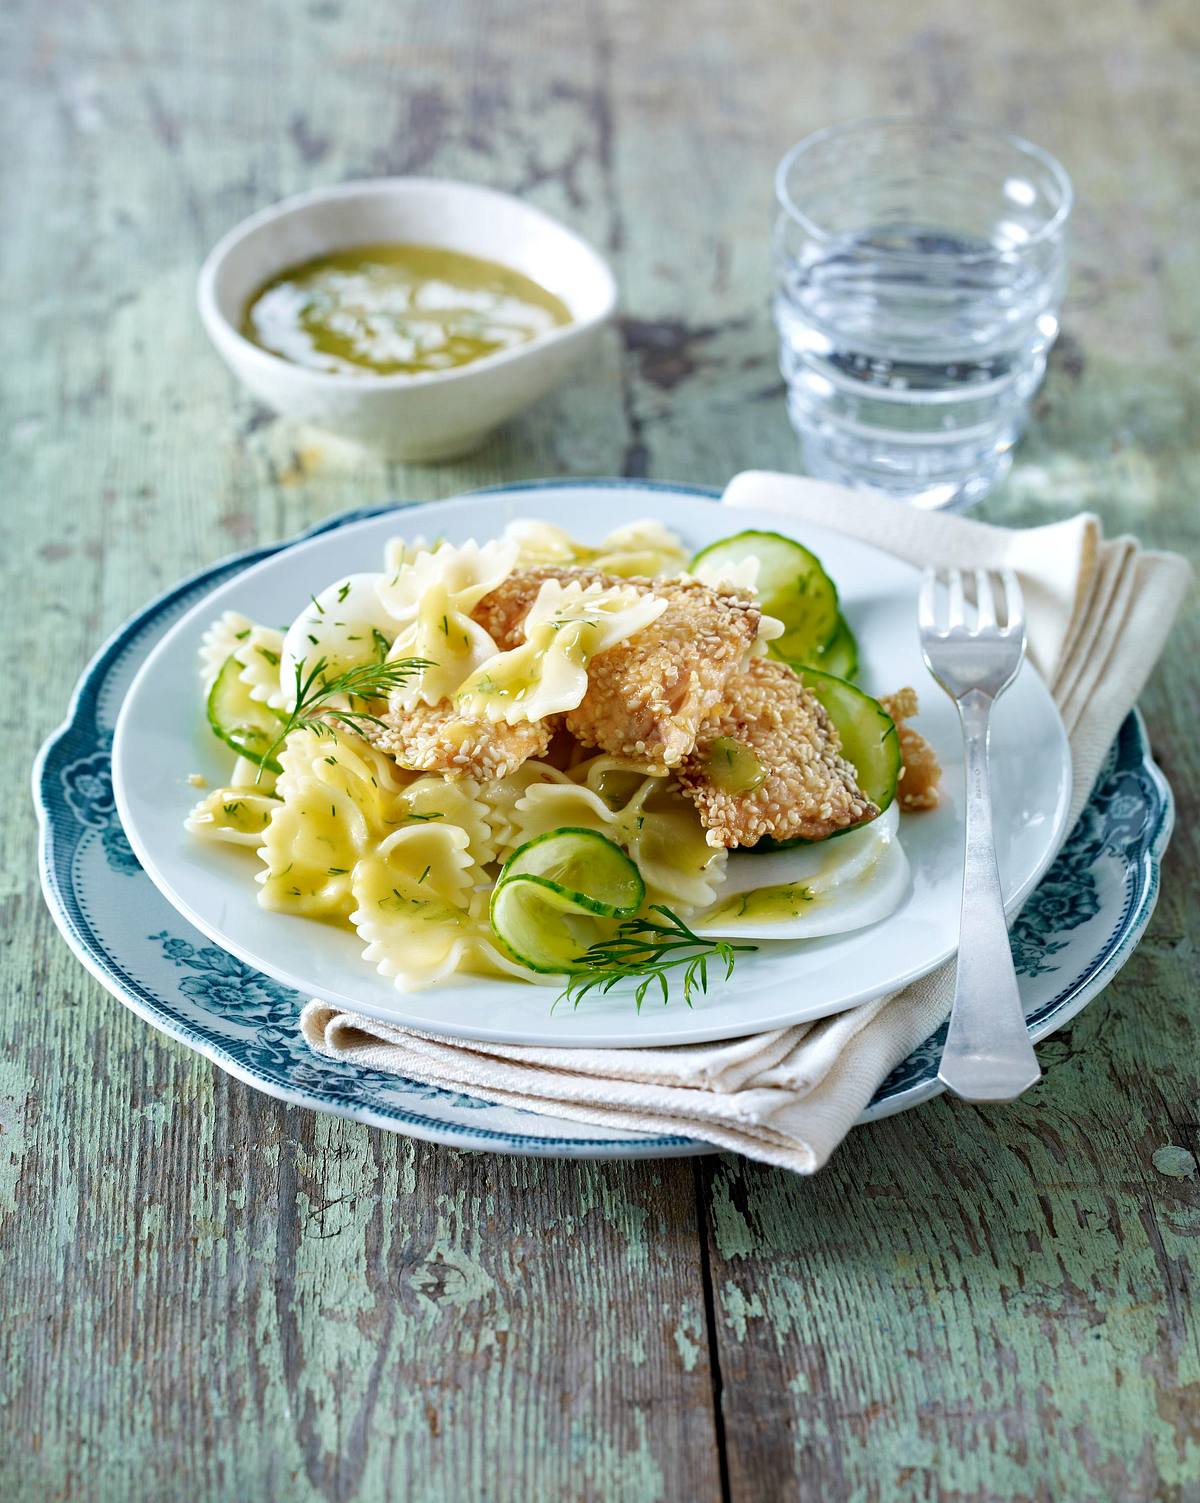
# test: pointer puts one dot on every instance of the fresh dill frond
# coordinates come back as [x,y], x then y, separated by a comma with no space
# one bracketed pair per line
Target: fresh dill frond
[367,683]
[654,954]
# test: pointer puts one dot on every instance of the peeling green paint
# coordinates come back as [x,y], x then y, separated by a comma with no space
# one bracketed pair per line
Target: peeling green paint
[15,1089]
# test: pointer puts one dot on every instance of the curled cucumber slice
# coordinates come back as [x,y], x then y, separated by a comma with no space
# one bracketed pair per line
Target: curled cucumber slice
[792,586]
[558,893]
[245,724]
[868,733]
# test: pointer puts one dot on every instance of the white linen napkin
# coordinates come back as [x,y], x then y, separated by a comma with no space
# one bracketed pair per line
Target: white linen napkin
[1098,612]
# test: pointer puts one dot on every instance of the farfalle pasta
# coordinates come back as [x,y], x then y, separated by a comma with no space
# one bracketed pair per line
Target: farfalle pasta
[566,627]
[431,598]
[644,549]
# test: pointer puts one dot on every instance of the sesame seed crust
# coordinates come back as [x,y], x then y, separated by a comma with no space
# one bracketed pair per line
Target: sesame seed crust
[809,789]
[920,771]
[647,696]
[435,738]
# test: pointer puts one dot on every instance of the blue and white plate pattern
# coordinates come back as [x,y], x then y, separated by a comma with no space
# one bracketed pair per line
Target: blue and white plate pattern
[1076,931]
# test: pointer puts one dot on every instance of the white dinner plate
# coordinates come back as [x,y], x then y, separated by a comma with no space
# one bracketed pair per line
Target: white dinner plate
[162,736]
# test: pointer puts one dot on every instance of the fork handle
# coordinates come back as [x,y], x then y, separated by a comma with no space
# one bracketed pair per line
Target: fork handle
[988,1055]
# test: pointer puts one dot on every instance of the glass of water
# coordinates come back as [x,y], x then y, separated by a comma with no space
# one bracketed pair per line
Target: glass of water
[920,266]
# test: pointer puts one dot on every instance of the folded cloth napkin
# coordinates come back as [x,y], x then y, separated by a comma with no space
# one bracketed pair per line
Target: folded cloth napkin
[1098,612]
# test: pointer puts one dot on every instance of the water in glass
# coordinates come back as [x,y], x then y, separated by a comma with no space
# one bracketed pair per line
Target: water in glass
[912,347]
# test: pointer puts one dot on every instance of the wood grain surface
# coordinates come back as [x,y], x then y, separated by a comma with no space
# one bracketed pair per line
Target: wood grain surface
[205,1294]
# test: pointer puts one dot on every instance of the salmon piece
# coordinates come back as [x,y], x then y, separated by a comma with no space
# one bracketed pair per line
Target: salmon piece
[648,696]
[808,789]
[436,738]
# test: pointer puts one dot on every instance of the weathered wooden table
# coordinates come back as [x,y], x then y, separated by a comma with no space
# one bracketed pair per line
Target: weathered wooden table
[207,1294]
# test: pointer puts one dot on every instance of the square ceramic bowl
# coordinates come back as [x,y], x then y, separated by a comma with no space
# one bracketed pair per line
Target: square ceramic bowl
[435,415]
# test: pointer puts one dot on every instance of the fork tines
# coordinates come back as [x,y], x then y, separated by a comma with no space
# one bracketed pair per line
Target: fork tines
[970,602]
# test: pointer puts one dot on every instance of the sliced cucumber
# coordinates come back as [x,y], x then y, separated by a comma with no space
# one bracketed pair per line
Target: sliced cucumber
[541,928]
[555,894]
[867,732]
[839,656]
[869,740]
[245,724]
[792,586]
[585,866]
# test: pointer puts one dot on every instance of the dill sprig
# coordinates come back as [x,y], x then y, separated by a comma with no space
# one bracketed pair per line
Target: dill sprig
[366,683]
[651,952]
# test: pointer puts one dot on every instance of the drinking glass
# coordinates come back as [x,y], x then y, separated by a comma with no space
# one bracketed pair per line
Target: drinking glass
[919,270]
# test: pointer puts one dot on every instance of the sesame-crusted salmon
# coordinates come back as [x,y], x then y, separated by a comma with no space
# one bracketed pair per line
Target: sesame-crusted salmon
[647,696]
[436,738]
[808,789]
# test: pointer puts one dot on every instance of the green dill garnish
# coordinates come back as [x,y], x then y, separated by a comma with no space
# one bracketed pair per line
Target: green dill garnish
[369,681]
[240,636]
[271,657]
[338,871]
[645,950]
[343,591]
[424,816]
[423,875]
[382,645]
[317,603]
[232,808]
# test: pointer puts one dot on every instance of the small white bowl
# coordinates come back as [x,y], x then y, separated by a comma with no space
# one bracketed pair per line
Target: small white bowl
[435,415]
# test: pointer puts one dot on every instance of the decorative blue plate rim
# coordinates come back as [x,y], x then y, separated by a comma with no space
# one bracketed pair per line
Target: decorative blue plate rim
[1074,934]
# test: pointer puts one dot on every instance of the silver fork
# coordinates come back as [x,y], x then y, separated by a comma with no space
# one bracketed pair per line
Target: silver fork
[988,1056]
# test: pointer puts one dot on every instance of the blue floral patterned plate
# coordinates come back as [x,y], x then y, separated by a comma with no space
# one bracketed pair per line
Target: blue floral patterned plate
[1074,934]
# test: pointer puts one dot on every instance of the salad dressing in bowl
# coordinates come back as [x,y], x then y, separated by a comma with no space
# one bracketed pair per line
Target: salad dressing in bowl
[397,309]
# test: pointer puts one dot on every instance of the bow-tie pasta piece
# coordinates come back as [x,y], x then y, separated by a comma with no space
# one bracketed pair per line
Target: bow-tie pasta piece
[451,644]
[644,549]
[541,543]
[668,846]
[260,656]
[348,763]
[316,837]
[258,650]
[467,573]
[501,795]
[233,816]
[566,627]
[411,904]
[453,801]
[400,551]
[219,643]
[345,626]
[432,598]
